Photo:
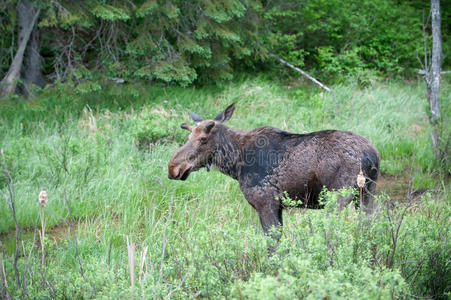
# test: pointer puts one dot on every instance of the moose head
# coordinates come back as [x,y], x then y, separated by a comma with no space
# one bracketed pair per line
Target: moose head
[199,150]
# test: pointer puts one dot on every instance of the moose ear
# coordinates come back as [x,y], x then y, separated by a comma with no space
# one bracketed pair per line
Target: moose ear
[186,127]
[195,117]
[209,126]
[226,114]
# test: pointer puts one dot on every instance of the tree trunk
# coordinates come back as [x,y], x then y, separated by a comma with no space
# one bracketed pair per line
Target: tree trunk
[434,79]
[9,82]
[31,70]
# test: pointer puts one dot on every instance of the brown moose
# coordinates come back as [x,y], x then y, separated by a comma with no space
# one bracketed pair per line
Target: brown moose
[270,163]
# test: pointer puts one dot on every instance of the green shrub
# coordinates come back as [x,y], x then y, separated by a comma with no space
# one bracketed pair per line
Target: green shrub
[157,124]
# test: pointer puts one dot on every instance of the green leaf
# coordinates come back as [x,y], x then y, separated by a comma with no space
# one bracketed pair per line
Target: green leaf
[147,8]
[110,13]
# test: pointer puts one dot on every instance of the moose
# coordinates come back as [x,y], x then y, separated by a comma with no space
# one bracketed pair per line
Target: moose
[270,163]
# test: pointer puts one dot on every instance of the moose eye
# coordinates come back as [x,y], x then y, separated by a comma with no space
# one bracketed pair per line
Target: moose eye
[203,139]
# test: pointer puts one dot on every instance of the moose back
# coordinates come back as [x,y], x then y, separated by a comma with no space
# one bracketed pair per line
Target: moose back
[270,163]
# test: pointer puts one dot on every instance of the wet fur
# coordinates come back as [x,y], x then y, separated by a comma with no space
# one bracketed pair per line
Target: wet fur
[268,162]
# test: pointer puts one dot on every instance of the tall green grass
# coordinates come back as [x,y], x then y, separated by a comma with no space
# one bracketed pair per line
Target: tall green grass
[105,154]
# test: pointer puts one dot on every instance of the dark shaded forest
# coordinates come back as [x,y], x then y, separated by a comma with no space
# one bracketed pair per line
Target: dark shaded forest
[186,42]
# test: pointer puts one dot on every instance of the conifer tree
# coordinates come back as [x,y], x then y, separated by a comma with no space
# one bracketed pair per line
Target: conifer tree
[172,41]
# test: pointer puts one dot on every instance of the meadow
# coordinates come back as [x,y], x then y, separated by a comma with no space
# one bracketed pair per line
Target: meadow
[101,153]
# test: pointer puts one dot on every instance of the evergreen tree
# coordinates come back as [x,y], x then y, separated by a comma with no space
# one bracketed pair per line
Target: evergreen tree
[179,41]
[172,41]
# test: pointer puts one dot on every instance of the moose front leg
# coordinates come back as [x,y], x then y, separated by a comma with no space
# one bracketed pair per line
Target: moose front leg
[270,217]
[269,211]
[344,201]
[271,221]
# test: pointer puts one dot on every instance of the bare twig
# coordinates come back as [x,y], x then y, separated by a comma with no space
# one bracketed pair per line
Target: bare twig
[10,199]
[394,231]
[168,296]
[4,283]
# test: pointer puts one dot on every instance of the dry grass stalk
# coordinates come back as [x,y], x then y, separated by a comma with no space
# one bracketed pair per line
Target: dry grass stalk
[361,181]
[142,264]
[43,197]
[131,260]
[88,122]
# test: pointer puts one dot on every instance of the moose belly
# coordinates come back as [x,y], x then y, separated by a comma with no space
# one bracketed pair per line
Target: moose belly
[272,186]
[307,191]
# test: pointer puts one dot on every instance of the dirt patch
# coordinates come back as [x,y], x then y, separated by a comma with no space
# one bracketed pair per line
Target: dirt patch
[58,232]
[62,231]
[397,187]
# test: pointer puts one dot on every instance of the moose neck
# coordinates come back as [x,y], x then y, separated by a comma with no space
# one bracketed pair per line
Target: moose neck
[227,153]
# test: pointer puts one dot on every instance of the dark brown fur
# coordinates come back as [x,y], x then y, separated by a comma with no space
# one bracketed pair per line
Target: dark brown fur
[268,162]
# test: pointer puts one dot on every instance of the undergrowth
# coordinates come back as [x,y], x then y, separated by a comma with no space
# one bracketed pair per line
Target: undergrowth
[102,157]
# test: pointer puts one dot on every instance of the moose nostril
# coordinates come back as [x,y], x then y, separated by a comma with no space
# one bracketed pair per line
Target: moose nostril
[173,173]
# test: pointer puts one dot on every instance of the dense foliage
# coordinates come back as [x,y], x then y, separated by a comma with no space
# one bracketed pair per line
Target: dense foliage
[342,37]
[102,157]
[172,41]
[209,40]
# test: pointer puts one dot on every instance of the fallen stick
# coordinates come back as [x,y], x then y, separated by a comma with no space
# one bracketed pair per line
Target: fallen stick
[303,73]
[423,72]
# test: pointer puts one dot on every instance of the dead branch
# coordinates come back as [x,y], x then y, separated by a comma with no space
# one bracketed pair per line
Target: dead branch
[423,72]
[303,73]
